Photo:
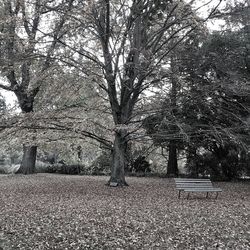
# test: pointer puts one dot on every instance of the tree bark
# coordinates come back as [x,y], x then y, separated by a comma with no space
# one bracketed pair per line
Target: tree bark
[28,163]
[119,161]
[28,160]
[191,162]
[172,168]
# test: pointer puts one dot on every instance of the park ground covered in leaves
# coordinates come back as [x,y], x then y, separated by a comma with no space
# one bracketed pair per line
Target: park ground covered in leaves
[46,211]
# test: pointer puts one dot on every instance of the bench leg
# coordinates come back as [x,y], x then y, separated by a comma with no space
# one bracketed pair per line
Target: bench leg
[188,196]
[216,195]
[179,195]
[207,195]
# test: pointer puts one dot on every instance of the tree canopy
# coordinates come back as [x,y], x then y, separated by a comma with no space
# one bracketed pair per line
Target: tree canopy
[119,71]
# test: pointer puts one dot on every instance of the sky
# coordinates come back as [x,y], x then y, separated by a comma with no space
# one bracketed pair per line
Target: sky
[8,95]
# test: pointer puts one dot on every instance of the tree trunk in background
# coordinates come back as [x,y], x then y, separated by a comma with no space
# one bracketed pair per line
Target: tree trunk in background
[191,163]
[172,168]
[28,163]
[28,160]
[119,161]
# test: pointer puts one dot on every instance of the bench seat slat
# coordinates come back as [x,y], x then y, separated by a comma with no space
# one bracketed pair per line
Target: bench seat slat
[190,186]
[192,182]
[182,188]
[202,190]
[197,188]
[187,179]
[192,179]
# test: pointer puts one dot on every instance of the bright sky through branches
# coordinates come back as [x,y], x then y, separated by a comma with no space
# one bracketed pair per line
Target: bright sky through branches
[204,7]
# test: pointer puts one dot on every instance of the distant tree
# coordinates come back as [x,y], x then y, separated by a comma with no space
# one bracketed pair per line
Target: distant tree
[213,100]
[162,125]
[166,125]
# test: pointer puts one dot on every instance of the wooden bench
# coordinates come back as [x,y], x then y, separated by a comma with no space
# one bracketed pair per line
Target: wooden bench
[195,185]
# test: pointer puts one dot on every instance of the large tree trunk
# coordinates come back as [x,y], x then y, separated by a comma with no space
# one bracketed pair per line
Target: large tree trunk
[28,160]
[119,161]
[172,168]
[29,152]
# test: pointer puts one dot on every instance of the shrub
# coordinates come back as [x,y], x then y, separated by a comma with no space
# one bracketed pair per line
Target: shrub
[224,168]
[141,164]
[9,169]
[65,169]
[2,170]
[41,167]
[101,166]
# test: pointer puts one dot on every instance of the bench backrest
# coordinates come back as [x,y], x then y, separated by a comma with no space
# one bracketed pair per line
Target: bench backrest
[189,179]
[182,183]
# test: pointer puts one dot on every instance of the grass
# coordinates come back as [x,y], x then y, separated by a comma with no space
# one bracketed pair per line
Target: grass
[46,211]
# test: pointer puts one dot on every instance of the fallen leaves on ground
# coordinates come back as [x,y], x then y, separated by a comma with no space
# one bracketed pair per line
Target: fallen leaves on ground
[46,211]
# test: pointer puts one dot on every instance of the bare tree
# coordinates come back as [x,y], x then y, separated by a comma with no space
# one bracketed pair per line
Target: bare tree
[135,39]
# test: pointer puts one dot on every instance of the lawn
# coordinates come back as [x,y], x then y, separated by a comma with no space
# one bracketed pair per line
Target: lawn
[46,211]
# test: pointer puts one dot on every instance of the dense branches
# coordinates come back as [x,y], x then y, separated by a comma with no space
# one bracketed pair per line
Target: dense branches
[94,68]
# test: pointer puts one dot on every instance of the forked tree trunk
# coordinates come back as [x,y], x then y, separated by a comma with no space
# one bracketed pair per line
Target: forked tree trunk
[28,160]
[119,162]
[172,169]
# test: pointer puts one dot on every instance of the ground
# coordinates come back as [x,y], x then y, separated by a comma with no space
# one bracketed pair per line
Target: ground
[46,211]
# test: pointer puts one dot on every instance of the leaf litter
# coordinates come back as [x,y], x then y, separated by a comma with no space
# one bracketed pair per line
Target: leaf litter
[46,211]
